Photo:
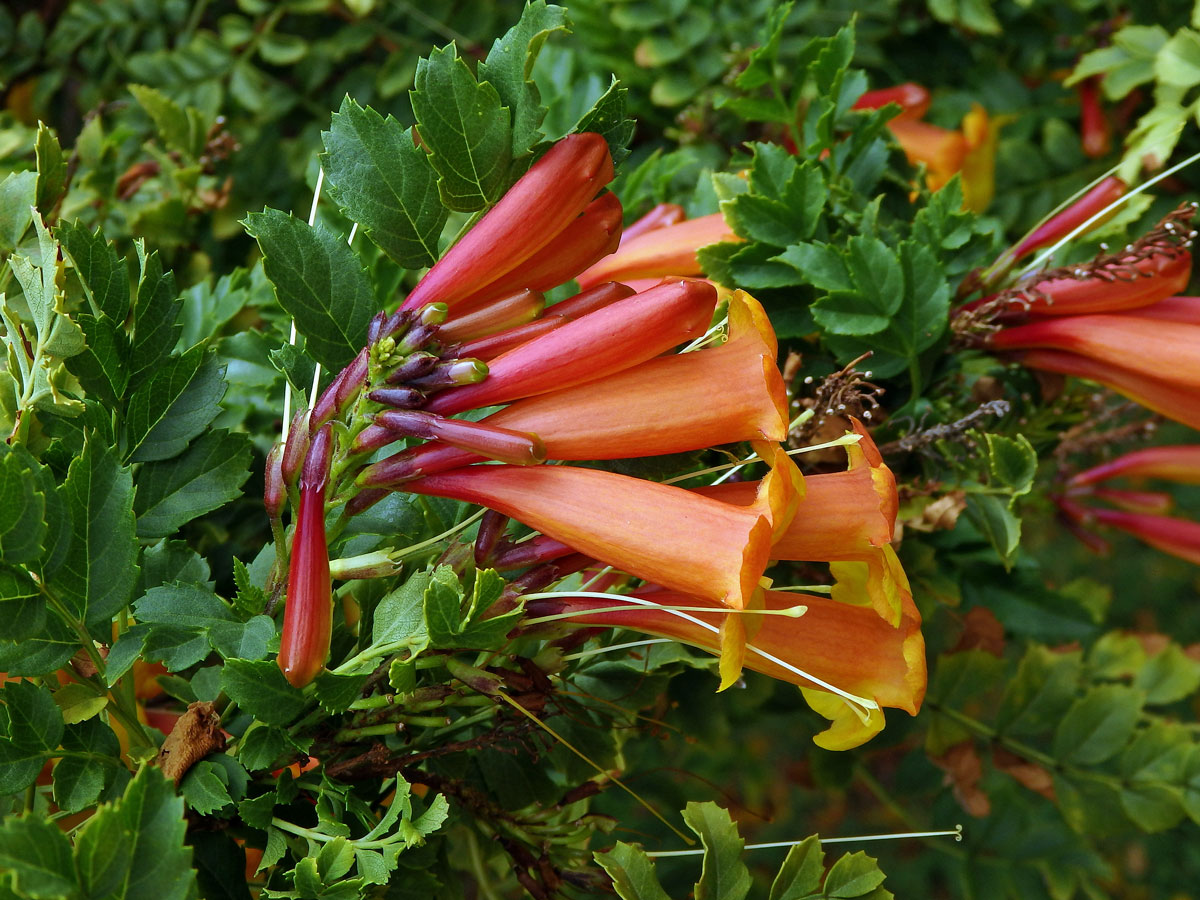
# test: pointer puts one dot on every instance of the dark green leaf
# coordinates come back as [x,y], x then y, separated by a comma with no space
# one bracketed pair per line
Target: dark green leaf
[207,475]
[134,849]
[22,510]
[1168,676]
[608,118]
[1098,725]
[1012,463]
[724,876]
[103,274]
[100,569]
[760,68]
[101,367]
[997,524]
[173,406]
[38,855]
[383,181]
[819,265]
[170,120]
[22,607]
[261,690]
[155,309]
[632,873]
[1036,698]
[80,779]
[204,788]
[466,129]
[319,282]
[220,866]
[335,693]
[509,63]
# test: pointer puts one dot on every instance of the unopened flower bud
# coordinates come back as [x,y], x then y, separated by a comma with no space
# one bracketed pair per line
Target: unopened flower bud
[274,489]
[399,397]
[454,372]
[414,366]
[295,448]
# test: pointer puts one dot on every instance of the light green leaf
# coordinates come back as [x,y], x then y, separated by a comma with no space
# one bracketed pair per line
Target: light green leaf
[854,875]
[18,194]
[800,874]
[383,181]
[51,168]
[78,703]
[319,282]
[466,129]
[632,872]
[997,524]
[1012,463]
[1178,62]
[133,849]
[205,789]
[723,876]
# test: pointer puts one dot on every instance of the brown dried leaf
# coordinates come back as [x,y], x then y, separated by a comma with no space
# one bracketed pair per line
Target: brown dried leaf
[964,769]
[1026,773]
[196,734]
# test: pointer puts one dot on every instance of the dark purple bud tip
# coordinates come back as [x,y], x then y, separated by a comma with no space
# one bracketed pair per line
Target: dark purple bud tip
[416,365]
[418,336]
[396,321]
[316,464]
[375,327]
[296,447]
[398,397]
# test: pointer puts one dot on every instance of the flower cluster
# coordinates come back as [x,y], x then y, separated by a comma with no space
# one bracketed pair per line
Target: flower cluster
[969,152]
[1137,512]
[587,379]
[1114,321]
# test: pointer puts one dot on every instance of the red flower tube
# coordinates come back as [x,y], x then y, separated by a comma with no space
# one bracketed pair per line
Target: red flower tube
[1146,347]
[308,616]
[619,336]
[659,533]
[1104,194]
[666,251]
[1179,537]
[534,211]
[913,99]
[1180,463]
[660,216]
[1178,402]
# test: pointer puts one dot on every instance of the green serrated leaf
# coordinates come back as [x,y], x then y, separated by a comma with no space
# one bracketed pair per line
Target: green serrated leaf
[508,66]
[1168,676]
[101,271]
[22,606]
[79,703]
[1012,463]
[134,848]
[723,875]
[80,779]
[854,875]
[608,118]
[174,405]
[261,690]
[170,120]
[100,569]
[204,789]
[800,875]
[156,307]
[335,693]
[207,475]
[1098,725]
[466,128]
[383,181]
[51,168]
[18,194]
[997,524]
[22,511]
[38,856]
[1042,690]
[319,282]
[632,872]
[102,365]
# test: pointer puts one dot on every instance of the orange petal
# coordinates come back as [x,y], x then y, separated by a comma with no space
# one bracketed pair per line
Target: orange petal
[670,250]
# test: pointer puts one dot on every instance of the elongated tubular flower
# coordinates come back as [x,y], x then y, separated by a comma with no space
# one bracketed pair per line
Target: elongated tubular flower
[847,519]
[308,616]
[669,250]
[659,533]
[1146,347]
[535,211]
[841,644]
[1095,134]
[607,340]
[505,312]
[1102,289]
[1185,310]
[913,99]
[661,215]
[1104,194]
[592,236]
[1149,502]
[1178,537]
[1179,463]
[1175,401]
[686,401]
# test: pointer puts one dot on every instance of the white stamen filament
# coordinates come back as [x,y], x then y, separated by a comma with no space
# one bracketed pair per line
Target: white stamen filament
[1120,201]
[715,331]
[860,705]
[956,833]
